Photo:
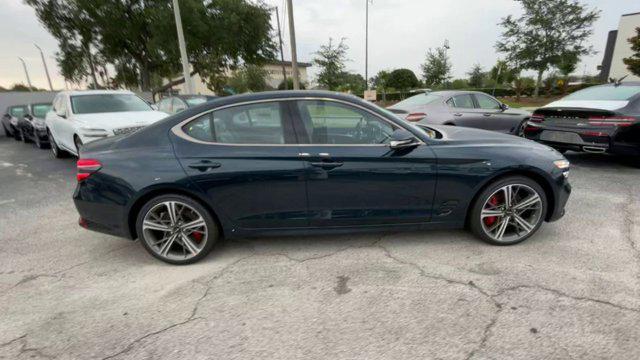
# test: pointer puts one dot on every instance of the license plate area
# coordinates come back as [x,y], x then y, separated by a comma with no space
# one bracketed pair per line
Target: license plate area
[561,137]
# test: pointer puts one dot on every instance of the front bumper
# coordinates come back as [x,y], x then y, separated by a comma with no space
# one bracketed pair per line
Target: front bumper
[561,196]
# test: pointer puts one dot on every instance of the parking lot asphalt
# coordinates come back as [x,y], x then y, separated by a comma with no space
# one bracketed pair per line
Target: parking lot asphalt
[571,291]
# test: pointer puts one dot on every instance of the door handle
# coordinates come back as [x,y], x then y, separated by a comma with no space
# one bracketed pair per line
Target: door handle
[327,165]
[457,114]
[205,165]
[486,114]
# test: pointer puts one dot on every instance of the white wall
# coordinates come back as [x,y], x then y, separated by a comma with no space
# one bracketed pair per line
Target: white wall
[626,29]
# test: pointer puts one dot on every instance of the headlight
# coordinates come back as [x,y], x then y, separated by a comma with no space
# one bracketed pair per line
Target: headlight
[562,164]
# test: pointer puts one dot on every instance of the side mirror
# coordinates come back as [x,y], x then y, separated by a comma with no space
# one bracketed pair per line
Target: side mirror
[61,113]
[504,107]
[401,139]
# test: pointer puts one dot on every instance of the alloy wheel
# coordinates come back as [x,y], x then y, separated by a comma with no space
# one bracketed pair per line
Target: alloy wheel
[175,231]
[511,213]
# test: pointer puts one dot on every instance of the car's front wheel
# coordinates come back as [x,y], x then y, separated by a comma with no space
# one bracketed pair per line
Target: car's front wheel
[176,229]
[508,211]
[55,150]
[17,136]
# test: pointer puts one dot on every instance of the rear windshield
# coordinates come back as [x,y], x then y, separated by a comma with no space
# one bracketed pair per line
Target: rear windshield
[41,110]
[104,103]
[195,101]
[417,100]
[611,93]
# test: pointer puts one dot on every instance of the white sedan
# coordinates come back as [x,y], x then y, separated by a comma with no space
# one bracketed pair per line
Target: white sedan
[79,117]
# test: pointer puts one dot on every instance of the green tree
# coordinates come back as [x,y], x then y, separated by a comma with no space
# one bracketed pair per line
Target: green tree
[331,59]
[402,80]
[503,73]
[380,80]
[547,30]
[248,78]
[476,76]
[459,84]
[633,62]
[352,83]
[567,64]
[436,70]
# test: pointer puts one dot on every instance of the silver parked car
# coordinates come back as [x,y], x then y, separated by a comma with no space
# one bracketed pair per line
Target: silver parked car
[462,108]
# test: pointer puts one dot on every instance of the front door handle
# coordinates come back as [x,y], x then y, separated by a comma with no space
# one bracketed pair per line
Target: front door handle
[205,165]
[327,165]
[457,114]
[486,114]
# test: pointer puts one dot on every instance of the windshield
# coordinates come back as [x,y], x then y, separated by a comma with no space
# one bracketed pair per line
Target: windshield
[104,103]
[17,111]
[417,100]
[611,93]
[41,110]
[195,101]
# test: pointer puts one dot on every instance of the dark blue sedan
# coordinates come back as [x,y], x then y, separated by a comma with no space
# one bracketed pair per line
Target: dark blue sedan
[302,162]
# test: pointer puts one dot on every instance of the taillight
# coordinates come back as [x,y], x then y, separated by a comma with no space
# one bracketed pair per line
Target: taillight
[612,120]
[413,117]
[86,167]
[536,118]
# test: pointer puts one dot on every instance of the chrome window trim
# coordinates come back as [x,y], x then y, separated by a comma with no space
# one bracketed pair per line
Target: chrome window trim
[177,129]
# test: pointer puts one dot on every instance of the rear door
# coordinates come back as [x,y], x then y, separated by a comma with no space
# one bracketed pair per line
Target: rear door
[463,111]
[354,177]
[245,158]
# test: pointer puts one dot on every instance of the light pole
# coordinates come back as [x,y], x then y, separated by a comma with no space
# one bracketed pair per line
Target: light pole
[26,73]
[284,70]
[446,48]
[46,70]
[294,56]
[183,50]
[366,45]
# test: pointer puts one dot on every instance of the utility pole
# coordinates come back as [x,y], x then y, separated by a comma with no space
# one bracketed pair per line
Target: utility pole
[183,50]
[294,56]
[446,49]
[284,70]
[46,70]
[26,73]
[366,47]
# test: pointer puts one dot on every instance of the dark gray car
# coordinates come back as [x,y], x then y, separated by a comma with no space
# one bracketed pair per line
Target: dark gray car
[462,108]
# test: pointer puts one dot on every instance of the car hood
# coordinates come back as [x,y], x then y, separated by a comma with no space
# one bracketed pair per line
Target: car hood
[123,119]
[590,104]
[456,135]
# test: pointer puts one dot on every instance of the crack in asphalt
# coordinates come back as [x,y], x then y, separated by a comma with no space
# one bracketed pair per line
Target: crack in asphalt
[24,349]
[629,223]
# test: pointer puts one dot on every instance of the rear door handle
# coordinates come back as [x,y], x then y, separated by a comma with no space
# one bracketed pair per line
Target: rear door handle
[327,165]
[205,165]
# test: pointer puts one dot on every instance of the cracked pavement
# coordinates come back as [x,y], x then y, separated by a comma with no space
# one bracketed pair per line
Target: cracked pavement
[571,291]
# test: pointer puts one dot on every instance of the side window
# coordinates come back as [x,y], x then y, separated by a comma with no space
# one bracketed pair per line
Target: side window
[178,105]
[328,122]
[165,105]
[463,101]
[247,124]
[486,102]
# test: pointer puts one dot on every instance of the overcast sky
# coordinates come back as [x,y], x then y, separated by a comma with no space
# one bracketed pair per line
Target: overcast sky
[400,33]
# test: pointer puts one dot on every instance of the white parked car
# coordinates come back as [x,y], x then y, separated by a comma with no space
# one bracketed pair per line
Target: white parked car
[79,117]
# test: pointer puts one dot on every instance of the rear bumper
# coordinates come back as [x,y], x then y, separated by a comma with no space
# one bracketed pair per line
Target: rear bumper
[101,215]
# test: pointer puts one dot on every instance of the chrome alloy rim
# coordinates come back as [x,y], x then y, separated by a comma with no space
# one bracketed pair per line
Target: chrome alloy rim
[511,213]
[175,230]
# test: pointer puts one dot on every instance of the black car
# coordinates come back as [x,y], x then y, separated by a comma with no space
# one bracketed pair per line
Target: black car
[31,126]
[301,162]
[462,108]
[10,120]
[598,119]
[177,103]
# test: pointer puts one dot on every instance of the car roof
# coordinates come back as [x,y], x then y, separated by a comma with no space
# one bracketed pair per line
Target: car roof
[447,93]
[282,94]
[95,92]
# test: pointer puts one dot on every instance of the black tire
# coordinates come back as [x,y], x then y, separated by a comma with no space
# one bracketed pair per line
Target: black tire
[476,224]
[520,130]
[17,136]
[39,143]
[55,150]
[25,139]
[211,238]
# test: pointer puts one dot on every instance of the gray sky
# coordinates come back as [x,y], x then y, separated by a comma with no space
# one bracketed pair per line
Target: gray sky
[401,31]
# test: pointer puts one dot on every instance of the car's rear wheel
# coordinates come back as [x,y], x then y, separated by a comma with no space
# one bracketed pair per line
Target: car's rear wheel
[176,229]
[521,127]
[509,211]
[25,139]
[55,150]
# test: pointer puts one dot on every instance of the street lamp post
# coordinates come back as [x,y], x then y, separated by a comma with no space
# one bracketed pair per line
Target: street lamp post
[46,70]
[446,48]
[294,56]
[284,70]
[366,45]
[183,49]
[26,73]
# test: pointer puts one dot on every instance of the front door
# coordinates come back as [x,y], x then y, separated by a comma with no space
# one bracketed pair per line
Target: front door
[246,161]
[496,118]
[354,177]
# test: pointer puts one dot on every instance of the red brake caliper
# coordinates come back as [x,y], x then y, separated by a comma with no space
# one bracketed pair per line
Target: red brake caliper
[197,236]
[492,219]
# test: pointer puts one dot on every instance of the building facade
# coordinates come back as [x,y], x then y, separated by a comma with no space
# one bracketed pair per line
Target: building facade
[619,48]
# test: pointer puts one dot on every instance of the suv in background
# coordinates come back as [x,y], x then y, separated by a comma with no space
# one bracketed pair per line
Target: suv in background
[79,117]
